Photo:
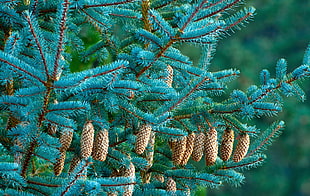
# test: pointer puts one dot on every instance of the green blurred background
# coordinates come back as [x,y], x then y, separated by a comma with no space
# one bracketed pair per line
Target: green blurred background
[280,29]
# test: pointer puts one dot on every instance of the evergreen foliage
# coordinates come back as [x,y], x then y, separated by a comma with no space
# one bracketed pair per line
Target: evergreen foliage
[143,79]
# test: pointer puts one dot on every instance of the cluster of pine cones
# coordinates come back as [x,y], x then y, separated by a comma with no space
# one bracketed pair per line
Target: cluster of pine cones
[195,145]
[97,147]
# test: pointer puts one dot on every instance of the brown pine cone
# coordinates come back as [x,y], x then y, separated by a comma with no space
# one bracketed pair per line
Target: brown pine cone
[198,147]
[178,149]
[143,137]
[74,162]
[128,172]
[189,148]
[87,140]
[60,162]
[65,139]
[211,146]
[101,145]
[169,78]
[227,144]
[241,147]
[171,185]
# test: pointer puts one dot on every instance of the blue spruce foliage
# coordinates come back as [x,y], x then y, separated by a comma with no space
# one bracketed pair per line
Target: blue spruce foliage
[142,78]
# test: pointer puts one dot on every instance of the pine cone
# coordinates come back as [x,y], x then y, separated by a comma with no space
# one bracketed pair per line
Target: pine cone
[227,144]
[74,162]
[87,140]
[189,148]
[128,191]
[65,139]
[143,137]
[128,172]
[241,147]
[60,162]
[178,149]
[169,78]
[171,185]
[211,147]
[198,147]
[101,145]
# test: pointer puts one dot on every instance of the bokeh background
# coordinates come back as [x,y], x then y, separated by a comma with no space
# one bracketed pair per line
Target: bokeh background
[280,29]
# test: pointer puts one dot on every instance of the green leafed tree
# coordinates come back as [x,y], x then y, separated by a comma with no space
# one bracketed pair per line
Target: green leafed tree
[138,120]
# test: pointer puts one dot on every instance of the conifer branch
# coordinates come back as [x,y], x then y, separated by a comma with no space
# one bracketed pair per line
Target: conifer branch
[234,122]
[195,178]
[36,38]
[122,184]
[218,11]
[108,4]
[249,14]
[164,4]
[93,18]
[62,28]
[260,159]
[161,52]
[202,35]
[206,78]
[2,59]
[266,140]
[134,114]
[39,191]
[193,14]
[43,184]
[75,178]
[35,6]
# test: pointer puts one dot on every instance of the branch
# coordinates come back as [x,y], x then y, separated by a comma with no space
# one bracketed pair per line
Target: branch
[35,36]
[243,165]
[218,11]
[78,174]
[62,27]
[265,140]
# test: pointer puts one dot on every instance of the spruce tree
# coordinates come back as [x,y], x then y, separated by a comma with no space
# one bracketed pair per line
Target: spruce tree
[146,106]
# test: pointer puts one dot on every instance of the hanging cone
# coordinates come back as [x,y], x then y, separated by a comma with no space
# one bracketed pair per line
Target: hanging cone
[129,172]
[59,165]
[227,144]
[171,185]
[143,137]
[241,147]
[211,147]
[169,78]
[74,162]
[178,149]
[87,140]
[65,139]
[198,147]
[101,145]
[189,148]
